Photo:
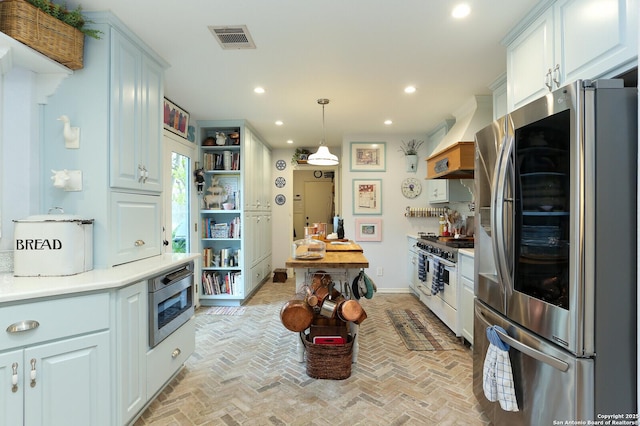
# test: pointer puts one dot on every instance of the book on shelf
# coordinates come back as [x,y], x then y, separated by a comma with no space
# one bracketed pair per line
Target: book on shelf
[212,161]
[216,283]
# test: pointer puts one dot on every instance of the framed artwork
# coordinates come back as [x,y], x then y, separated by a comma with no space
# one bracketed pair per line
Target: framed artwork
[367,196]
[368,156]
[176,119]
[368,229]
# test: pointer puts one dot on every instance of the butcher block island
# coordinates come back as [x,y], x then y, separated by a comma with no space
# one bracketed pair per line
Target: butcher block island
[341,264]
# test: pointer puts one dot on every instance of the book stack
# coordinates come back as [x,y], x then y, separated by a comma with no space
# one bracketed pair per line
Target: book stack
[215,283]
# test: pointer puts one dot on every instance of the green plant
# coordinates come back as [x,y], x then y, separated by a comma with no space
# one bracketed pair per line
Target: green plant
[301,153]
[411,147]
[71,17]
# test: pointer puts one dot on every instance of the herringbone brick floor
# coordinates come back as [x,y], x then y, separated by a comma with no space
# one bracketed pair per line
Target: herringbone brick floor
[245,372]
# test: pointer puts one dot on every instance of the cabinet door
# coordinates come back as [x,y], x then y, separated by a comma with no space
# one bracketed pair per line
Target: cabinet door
[136,228]
[596,36]
[248,157]
[466,307]
[151,124]
[72,382]
[265,180]
[529,58]
[132,320]
[11,403]
[126,166]
[438,190]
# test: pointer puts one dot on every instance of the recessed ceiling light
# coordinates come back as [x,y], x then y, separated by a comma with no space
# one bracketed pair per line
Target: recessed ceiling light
[289,141]
[279,123]
[461,11]
[259,90]
[409,89]
[388,122]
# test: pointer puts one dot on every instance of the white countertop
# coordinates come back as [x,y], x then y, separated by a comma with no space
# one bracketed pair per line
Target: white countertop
[467,251]
[20,288]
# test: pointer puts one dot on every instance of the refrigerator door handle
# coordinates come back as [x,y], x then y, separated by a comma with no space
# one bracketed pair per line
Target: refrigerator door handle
[527,350]
[498,201]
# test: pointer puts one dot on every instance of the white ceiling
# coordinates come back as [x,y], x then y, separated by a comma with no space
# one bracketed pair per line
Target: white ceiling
[360,54]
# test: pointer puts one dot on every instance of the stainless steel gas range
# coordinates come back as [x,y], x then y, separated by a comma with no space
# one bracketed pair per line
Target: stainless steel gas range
[438,277]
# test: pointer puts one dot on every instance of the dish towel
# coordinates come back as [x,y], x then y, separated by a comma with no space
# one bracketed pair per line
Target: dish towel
[437,282]
[497,377]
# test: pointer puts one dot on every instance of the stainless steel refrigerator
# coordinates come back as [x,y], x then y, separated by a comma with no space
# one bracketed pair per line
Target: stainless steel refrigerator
[555,262]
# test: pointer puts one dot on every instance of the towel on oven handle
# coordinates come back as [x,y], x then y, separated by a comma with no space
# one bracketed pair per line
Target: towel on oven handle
[497,376]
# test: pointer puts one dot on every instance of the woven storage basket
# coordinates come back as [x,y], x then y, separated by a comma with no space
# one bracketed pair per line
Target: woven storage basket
[328,361]
[42,32]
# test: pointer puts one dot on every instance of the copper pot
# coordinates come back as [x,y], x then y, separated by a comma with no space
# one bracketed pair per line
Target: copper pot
[296,315]
[350,310]
[361,318]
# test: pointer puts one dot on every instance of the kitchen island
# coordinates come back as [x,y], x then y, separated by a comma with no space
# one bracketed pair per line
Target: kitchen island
[343,266]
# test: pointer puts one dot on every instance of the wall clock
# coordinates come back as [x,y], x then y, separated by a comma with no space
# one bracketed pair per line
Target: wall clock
[411,187]
[281,164]
[317,174]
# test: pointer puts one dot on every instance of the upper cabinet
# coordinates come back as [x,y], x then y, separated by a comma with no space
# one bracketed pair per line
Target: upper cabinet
[136,120]
[570,40]
[116,101]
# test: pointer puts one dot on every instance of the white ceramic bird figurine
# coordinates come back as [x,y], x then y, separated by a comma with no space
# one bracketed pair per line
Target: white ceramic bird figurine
[71,134]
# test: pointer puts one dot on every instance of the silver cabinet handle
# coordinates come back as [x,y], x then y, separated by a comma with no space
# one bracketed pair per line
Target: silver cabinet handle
[14,377]
[556,75]
[33,372]
[547,80]
[20,326]
[176,352]
[139,243]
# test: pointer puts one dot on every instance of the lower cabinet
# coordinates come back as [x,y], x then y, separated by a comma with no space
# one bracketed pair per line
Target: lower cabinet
[466,305]
[412,264]
[132,342]
[57,372]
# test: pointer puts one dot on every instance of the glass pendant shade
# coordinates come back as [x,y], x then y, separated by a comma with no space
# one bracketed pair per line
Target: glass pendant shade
[322,157]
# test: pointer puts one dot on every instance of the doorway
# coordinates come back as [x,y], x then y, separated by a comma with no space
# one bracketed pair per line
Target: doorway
[314,198]
[177,212]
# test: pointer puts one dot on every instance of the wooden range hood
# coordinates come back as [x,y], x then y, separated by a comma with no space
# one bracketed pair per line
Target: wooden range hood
[454,162]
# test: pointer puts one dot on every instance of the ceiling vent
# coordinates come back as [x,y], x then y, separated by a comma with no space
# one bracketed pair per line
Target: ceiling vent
[233,37]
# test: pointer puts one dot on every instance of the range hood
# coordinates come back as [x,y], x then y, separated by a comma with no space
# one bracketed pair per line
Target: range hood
[453,158]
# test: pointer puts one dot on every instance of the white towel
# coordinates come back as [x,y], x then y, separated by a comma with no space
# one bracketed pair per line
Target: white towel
[497,377]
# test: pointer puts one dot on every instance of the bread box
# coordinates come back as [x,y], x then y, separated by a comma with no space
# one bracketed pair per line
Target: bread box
[52,245]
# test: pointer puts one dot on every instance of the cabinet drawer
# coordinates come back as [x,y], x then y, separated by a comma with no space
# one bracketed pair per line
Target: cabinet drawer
[466,266]
[165,360]
[57,318]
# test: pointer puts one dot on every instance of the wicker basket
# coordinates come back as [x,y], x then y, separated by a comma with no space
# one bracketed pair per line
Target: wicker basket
[42,32]
[328,361]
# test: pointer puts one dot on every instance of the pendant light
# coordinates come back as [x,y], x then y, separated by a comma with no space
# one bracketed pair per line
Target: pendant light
[323,157]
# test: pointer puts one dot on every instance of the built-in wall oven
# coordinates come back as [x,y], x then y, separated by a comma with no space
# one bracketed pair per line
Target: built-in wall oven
[170,302]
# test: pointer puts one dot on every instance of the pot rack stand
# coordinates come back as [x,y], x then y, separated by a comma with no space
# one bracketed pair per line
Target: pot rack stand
[343,276]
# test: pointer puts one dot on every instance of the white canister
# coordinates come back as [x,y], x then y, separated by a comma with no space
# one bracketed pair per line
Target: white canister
[52,245]
[226,160]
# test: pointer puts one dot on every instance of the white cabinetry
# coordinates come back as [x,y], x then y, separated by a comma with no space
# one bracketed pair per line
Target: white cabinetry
[572,39]
[465,264]
[116,100]
[132,341]
[60,367]
[251,179]
[136,126]
[412,264]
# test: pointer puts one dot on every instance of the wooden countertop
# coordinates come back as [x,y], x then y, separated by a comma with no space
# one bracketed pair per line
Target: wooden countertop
[343,246]
[332,259]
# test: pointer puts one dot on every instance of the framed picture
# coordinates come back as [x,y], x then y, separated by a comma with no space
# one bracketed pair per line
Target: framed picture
[176,119]
[367,196]
[368,156]
[368,229]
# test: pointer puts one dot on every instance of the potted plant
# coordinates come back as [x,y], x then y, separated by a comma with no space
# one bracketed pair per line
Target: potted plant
[410,150]
[300,156]
[47,27]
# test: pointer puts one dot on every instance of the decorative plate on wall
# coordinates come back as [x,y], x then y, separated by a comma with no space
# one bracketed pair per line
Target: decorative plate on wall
[281,164]
[280,182]
[280,199]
